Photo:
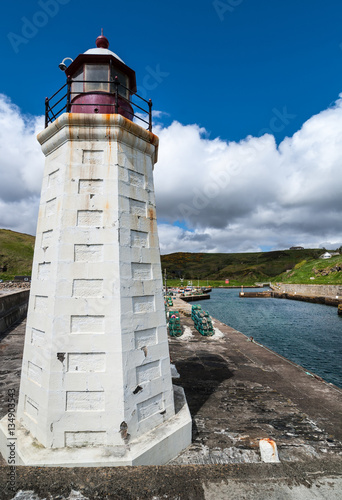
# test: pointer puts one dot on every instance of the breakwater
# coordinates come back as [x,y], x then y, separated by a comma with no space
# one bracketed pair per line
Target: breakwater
[315,299]
[309,290]
[13,308]
[330,295]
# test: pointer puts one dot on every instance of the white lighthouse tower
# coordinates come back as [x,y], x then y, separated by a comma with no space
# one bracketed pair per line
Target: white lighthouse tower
[96,386]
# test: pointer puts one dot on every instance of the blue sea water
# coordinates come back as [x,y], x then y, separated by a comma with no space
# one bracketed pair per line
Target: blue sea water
[308,334]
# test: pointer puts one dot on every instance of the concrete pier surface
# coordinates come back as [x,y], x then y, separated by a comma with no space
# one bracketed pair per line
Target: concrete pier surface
[238,393]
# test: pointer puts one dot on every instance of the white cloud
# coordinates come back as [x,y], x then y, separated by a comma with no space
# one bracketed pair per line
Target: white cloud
[252,194]
[230,196]
[21,168]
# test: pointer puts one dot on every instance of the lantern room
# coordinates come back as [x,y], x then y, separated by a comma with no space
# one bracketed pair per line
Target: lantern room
[101,82]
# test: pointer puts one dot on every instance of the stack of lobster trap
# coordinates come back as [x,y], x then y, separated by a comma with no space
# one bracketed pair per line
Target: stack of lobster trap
[175,329]
[202,321]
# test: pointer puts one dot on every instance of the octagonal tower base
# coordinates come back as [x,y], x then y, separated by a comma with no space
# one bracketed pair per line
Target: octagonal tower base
[156,447]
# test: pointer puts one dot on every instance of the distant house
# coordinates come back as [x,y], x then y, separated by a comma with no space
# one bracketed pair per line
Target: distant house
[325,255]
[296,248]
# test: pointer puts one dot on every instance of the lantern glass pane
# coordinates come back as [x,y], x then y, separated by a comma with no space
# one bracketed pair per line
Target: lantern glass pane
[123,79]
[97,76]
[77,83]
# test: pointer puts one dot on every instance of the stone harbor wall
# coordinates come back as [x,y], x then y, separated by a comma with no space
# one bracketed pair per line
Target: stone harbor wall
[313,290]
[13,308]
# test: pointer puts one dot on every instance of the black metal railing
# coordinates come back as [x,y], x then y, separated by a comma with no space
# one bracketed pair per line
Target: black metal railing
[62,101]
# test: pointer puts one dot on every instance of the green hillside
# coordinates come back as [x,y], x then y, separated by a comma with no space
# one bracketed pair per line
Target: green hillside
[248,268]
[289,266]
[318,272]
[16,253]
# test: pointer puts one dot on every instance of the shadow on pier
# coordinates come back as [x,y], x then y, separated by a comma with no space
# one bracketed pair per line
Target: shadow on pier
[200,376]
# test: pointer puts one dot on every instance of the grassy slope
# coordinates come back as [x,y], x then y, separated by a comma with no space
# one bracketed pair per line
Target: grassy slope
[240,268]
[307,269]
[16,252]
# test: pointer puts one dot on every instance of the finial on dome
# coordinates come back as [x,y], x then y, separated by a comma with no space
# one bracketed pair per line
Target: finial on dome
[102,41]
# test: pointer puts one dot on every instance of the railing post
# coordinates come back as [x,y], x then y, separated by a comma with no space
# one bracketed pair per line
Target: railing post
[68,94]
[150,115]
[117,83]
[46,111]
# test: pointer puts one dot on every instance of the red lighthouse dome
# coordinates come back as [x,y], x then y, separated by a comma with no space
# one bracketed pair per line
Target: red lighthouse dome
[101,82]
[102,41]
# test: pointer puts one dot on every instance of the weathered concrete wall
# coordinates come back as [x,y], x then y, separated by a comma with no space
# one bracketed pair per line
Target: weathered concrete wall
[315,290]
[13,308]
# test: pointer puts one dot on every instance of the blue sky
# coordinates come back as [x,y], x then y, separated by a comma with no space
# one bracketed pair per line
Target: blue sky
[223,69]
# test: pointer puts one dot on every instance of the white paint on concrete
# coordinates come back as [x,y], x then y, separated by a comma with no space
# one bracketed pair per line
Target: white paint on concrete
[87,324]
[50,207]
[53,178]
[87,288]
[90,186]
[31,408]
[34,373]
[143,304]
[88,253]
[148,372]
[87,362]
[145,338]
[141,271]
[268,451]
[90,218]
[44,271]
[139,239]
[217,334]
[150,407]
[87,438]
[187,334]
[136,179]
[46,238]
[93,157]
[41,304]
[86,448]
[137,207]
[85,401]
[37,337]
[174,372]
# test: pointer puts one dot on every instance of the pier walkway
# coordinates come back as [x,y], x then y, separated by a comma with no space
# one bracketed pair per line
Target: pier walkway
[238,393]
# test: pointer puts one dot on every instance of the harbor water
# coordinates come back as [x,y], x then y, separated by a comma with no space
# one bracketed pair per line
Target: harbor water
[308,334]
